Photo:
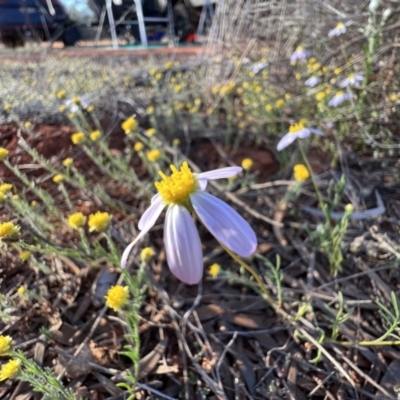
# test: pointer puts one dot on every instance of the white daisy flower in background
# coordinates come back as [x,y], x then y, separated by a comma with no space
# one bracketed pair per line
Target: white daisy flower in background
[74,103]
[339,29]
[339,98]
[297,131]
[299,54]
[256,68]
[184,192]
[313,81]
[351,80]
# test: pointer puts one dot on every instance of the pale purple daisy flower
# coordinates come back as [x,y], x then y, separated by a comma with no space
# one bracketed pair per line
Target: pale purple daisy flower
[184,193]
[339,29]
[339,98]
[299,54]
[256,68]
[351,80]
[313,81]
[297,131]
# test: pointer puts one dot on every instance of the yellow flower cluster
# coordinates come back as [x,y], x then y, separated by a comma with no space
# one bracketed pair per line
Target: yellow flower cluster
[5,345]
[214,270]
[247,163]
[153,155]
[95,135]
[68,162]
[3,153]
[300,172]
[99,222]
[78,137]
[5,187]
[58,178]
[146,254]
[138,146]
[76,220]
[8,230]
[129,125]
[117,297]
[24,255]
[10,370]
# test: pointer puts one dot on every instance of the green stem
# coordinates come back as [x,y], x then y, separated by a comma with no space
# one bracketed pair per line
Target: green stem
[249,269]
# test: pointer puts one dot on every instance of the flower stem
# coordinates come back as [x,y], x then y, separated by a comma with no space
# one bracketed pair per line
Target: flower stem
[249,269]
[314,181]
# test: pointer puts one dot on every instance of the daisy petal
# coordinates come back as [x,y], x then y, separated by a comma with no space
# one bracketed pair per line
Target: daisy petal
[303,133]
[128,250]
[155,197]
[287,140]
[220,173]
[225,223]
[202,183]
[182,245]
[316,131]
[150,216]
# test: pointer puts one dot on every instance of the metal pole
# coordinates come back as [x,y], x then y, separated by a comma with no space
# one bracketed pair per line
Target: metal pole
[142,28]
[112,24]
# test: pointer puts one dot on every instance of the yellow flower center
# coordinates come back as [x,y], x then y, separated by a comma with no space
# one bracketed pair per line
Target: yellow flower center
[179,186]
[297,127]
[340,25]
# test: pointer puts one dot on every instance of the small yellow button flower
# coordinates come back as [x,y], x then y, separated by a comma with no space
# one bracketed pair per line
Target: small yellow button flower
[3,153]
[62,108]
[24,255]
[95,135]
[129,125]
[90,109]
[151,132]
[22,290]
[5,187]
[10,370]
[320,96]
[5,345]
[7,107]
[176,142]
[393,97]
[117,297]
[153,155]
[300,172]
[67,162]
[99,222]
[27,124]
[138,146]
[76,220]
[60,94]
[150,110]
[337,71]
[146,254]
[247,163]
[280,103]
[268,107]
[214,270]
[58,178]
[78,137]
[8,230]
